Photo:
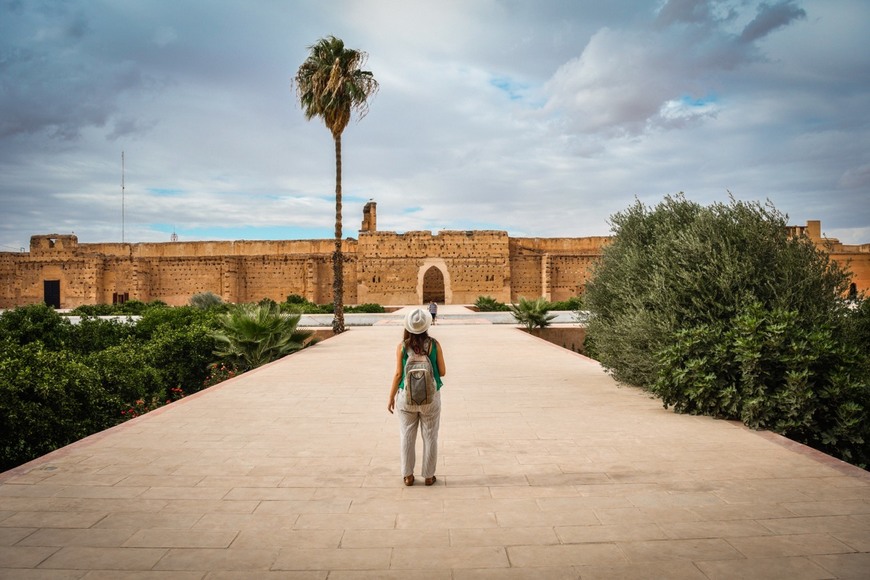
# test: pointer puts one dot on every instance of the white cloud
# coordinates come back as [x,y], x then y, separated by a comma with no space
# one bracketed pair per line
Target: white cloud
[616,86]
[538,118]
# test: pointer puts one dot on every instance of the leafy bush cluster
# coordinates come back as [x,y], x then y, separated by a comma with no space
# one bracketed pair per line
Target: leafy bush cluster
[490,304]
[365,308]
[296,303]
[719,312]
[131,307]
[206,300]
[574,303]
[60,382]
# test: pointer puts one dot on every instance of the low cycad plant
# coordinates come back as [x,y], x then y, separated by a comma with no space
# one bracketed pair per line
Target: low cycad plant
[251,335]
[532,313]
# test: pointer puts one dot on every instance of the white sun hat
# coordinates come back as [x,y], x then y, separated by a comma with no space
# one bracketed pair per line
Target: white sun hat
[418,321]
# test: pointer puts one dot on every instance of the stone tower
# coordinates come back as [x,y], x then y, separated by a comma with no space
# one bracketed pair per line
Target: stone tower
[370,217]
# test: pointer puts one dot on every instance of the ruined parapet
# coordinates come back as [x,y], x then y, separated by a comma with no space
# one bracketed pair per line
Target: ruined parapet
[53,244]
[370,218]
[452,267]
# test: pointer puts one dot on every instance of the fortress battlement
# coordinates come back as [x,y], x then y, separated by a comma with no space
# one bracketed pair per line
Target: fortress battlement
[414,267]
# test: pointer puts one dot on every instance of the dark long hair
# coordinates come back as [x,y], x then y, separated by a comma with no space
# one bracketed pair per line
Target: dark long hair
[416,341]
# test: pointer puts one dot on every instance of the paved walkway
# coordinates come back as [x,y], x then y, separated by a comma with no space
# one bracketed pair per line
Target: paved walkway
[547,469]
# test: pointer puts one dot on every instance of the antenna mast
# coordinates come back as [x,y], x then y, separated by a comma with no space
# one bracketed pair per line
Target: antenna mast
[122,197]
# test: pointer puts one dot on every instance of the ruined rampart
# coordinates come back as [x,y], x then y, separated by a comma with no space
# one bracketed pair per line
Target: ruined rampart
[389,268]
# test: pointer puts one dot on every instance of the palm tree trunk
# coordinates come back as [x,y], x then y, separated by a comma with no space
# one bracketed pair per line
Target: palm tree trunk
[337,258]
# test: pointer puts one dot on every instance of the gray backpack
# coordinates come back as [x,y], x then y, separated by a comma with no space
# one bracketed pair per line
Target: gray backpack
[419,376]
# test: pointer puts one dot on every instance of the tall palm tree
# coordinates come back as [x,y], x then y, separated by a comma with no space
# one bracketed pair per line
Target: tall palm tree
[331,85]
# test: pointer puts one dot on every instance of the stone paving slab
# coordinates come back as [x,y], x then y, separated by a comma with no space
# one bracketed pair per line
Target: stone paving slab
[547,469]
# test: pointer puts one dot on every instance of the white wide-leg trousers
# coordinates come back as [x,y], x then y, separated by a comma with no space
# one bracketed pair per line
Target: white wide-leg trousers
[428,418]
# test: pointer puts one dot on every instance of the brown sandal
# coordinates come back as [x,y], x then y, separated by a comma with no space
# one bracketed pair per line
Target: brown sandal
[409,480]
[430,480]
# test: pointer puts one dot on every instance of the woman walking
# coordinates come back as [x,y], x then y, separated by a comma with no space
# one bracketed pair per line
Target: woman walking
[418,407]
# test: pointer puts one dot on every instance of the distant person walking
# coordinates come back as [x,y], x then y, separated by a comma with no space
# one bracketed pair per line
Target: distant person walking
[433,310]
[416,394]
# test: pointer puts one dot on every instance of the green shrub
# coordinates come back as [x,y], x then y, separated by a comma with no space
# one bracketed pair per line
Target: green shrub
[48,399]
[181,355]
[299,305]
[35,323]
[130,307]
[368,308]
[590,349]
[205,300]
[573,303]
[490,304]
[94,334]
[771,372]
[126,373]
[60,382]
[857,330]
[720,312]
[681,265]
[532,313]
[177,317]
[134,307]
[95,310]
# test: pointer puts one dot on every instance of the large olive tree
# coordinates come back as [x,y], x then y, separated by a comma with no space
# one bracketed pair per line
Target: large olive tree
[331,85]
[720,311]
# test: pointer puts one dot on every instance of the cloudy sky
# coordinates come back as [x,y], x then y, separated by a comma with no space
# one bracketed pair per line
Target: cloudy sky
[540,118]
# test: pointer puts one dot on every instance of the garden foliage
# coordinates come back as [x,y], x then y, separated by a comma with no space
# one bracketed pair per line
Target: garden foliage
[60,382]
[490,304]
[574,303]
[206,300]
[532,313]
[720,312]
[251,335]
[296,303]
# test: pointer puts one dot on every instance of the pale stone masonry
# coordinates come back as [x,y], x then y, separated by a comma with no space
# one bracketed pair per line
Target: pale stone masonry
[450,267]
[547,469]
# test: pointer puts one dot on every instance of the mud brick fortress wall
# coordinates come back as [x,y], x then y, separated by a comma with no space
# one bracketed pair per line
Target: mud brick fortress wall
[173,272]
[854,257]
[452,267]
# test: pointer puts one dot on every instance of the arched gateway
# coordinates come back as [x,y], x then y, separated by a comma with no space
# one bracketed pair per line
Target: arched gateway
[433,282]
[433,285]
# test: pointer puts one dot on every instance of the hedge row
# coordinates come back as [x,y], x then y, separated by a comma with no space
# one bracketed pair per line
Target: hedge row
[60,382]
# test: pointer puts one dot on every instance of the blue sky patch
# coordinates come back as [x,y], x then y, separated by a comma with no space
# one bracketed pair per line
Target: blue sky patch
[186,234]
[165,191]
[508,86]
[691,101]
